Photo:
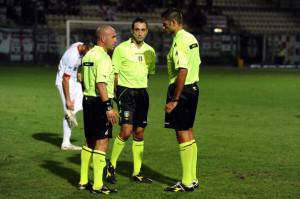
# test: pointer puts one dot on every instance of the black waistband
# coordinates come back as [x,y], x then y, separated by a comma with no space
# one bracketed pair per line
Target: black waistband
[136,89]
[186,85]
[86,97]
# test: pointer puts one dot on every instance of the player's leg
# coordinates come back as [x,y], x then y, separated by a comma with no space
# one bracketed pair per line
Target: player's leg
[86,158]
[182,120]
[100,132]
[194,162]
[118,146]
[140,123]
[76,94]
[87,151]
[186,155]
[137,150]
[126,104]
[99,154]
[99,162]
[193,103]
[119,143]
[66,128]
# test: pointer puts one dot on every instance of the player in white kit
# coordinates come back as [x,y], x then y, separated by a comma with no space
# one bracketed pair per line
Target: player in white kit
[70,90]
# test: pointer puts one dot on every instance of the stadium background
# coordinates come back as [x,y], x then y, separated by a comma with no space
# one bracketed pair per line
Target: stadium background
[251,31]
[247,126]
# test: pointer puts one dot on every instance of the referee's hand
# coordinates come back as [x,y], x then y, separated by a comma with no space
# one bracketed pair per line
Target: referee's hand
[112,116]
[170,106]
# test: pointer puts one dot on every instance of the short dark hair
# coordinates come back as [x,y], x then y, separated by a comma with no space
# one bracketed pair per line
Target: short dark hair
[140,20]
[173,13]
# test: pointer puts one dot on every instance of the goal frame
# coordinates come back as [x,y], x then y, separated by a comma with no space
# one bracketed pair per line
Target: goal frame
[71,21]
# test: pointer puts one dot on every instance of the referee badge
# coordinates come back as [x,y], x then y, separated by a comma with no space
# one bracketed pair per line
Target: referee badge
[126,115]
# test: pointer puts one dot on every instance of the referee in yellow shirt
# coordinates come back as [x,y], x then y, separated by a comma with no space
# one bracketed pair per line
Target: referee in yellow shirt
[133,60]
[183,68]
[98,115]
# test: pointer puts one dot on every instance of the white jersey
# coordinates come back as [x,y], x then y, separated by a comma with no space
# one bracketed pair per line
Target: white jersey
[69,64]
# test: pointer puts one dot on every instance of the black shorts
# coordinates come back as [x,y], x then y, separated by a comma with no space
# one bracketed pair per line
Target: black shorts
[133,106]
[183,116]
[95,121]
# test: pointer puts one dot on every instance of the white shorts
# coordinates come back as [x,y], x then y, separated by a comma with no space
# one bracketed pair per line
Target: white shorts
[76,94]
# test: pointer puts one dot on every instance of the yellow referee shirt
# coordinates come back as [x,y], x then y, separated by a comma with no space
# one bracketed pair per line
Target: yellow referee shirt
[184,53]
[133,64]
[97,67]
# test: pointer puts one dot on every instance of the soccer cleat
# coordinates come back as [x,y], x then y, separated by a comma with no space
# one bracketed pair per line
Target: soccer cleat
[110,174]
[179,187]
[70,147]
[104,190]
[195,184]
[87,186]
[141,179]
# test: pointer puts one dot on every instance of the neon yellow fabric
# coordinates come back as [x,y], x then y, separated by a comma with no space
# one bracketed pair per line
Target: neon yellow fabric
[137,152]
[97,67]
[99,164]
[86,154]
[184,53]
[118,147]
[194,161]
[186,156]
[133,64]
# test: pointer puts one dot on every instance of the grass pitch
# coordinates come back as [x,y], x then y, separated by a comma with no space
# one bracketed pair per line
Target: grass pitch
[247,131]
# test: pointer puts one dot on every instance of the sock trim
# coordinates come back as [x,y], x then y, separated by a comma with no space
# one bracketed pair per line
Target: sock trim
[120,139]
[99,152]
[138,140]
[185,144]
[138,143]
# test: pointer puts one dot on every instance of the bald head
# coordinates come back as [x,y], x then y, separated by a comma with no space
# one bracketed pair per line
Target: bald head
[103,30]
[106,37]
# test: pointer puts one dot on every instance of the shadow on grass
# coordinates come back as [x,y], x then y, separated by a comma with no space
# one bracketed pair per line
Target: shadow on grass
[58,169]
[52,138]
[125,169]
[75,159]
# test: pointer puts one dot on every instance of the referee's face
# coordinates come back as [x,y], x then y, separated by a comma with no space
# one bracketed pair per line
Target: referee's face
[168,26]
[111,39]
[139,32]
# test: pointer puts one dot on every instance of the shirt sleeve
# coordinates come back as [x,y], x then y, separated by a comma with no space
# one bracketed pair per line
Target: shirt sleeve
[152,65]
[102,67]
[180,56]
[116,60]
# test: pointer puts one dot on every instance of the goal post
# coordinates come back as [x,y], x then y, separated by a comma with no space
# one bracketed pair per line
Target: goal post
[127,24]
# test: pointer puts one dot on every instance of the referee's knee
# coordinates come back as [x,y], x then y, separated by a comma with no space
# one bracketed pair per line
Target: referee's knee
[124,135]
[138,135]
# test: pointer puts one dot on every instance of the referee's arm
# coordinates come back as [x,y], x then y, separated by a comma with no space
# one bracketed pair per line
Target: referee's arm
[110,113]
[180,80]
[179,84]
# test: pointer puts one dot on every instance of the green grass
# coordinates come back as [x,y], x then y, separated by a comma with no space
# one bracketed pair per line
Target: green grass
[247,131]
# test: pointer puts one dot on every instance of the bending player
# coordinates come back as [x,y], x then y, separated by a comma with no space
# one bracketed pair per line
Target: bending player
[70,89]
